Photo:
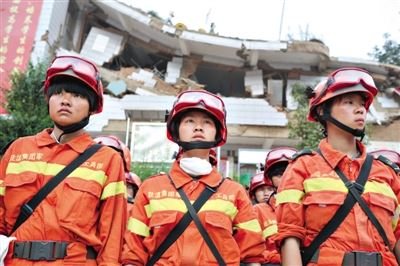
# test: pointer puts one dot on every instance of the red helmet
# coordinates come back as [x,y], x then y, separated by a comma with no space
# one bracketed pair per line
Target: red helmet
[389,154]
[133,179]
[115,143]
[80,68]
[277,155]
[342,81]
[198,99]
[257,181]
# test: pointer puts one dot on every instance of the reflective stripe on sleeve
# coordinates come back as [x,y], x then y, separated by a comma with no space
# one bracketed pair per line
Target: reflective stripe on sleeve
[395,218]
[270,230]
[113,189]
[252,225]
[289,196]
[138,227]
[51,169]
[2,189]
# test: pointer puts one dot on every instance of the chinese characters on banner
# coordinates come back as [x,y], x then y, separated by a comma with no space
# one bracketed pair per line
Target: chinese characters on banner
[18,23]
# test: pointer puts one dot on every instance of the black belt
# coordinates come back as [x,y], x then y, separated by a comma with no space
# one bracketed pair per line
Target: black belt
[356,258]
[46,250]
[362,258]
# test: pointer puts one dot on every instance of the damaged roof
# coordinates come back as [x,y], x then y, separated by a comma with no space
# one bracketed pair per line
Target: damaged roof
[240,111]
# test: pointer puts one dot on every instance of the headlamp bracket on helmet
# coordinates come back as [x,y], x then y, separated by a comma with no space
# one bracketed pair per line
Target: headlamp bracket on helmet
[166,116]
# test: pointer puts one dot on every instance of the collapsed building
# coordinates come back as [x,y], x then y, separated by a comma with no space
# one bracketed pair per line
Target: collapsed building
[145,62]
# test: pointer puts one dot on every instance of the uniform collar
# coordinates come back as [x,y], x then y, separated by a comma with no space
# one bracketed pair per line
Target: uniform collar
[78,144]
[180,178]
[334,156]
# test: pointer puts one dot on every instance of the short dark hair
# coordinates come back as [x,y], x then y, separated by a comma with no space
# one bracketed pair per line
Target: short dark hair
[277,169]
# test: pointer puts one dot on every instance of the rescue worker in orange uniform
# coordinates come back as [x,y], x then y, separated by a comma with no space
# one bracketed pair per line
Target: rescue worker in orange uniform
[261,193]
[276,162]
[82,220]
[230,232]
[132,180]
[133,183]
[314,187]
[391,158]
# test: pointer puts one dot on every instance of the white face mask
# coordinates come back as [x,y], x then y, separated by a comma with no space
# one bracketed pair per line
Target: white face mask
[195,166]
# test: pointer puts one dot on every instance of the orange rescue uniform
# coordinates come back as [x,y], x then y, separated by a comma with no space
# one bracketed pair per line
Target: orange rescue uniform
[311,192]
[88,208]
[267,219]
[227,216]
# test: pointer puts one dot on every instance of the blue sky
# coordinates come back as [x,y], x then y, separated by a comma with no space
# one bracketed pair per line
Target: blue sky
[350,28]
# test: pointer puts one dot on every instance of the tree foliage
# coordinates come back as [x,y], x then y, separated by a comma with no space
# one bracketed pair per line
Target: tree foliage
[309,133]
[389,53]
[25,105]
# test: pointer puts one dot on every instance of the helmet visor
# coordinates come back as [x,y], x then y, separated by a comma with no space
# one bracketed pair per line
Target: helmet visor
[192,98]
[353,76]
[84,69]
[347,77]
[107,141]
[278,154]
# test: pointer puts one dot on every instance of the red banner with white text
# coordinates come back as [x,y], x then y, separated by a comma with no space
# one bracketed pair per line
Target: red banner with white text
[18,24]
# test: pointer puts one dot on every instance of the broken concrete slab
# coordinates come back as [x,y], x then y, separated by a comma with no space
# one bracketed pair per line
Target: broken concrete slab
[117,88]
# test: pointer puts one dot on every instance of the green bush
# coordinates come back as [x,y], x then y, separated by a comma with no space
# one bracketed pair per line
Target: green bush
[25,104]
[144,170]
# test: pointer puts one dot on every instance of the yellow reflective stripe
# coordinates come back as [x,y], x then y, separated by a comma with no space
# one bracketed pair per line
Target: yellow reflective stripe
[138,227]
[252,225]
[166,204]
[169,204]
[220,205]
[289,196]
[270,230]
[395,218]
[380,188]
[331,184]
[324,184]
[2,189]
[148,210]
[113,189]
[36,167]
[89,175]
[51,169]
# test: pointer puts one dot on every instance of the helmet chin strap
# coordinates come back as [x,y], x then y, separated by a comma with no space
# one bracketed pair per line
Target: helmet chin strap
[270,197]
[355,132]
[192,145]
[72,128]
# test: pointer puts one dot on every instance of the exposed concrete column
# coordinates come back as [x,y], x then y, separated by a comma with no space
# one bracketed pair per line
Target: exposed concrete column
[253,82]
[189,67]
[173,70]
[253,58]
[184,48]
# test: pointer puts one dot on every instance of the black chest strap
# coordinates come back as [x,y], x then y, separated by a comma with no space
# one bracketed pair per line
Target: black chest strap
[187,218]
[355,188]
